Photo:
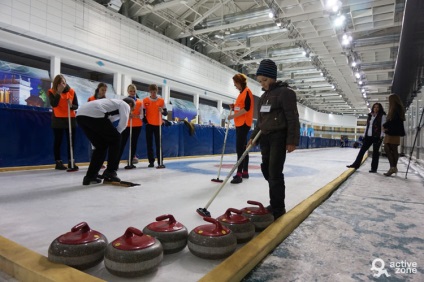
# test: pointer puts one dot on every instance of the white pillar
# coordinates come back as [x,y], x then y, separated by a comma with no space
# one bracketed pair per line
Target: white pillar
[117,83]
[54,67]
[166,92]
[196,99]
[219,106]
[126,80]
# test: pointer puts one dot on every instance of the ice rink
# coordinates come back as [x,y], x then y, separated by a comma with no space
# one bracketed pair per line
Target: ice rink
[37,206]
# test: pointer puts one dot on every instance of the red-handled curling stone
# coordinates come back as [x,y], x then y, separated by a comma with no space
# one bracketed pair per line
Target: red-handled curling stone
[242,228]
[172,234]
[212,241]
[81,248]
[259,216]
[133,254]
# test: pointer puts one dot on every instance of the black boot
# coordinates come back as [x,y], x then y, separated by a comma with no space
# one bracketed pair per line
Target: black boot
[110,175]
[75,165]
[60,166]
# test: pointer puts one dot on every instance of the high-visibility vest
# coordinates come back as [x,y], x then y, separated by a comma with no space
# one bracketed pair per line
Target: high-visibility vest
[136,120]
[247,118]
[153,116]
[61,110]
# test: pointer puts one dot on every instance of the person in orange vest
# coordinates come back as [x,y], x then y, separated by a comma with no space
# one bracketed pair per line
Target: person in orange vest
[243,118]
[136,122]
[99,93]
[154,108]
[62,97]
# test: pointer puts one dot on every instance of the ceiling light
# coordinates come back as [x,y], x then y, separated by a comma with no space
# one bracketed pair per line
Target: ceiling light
[227,32]
[278,24]
[271,15]
[191,38]
[357,75]
[353,64]
[360,82]
[339,21]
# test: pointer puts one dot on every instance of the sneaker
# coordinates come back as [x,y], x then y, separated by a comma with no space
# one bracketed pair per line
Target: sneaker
[352,166]
[245,175]
[373,171]
[89,180]
[111,176]
[60,166]
[236,180]
[151,165]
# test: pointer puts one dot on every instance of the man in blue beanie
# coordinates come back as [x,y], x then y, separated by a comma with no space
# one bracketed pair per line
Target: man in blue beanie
[278,121]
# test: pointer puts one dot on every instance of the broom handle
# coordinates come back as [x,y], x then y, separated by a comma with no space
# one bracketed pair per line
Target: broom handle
[70,134]
[225,143]
[233,169]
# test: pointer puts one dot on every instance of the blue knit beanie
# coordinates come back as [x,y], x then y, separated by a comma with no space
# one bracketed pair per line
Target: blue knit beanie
[267,68]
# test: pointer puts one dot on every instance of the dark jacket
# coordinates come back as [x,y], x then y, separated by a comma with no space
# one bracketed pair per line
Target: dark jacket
[283,114]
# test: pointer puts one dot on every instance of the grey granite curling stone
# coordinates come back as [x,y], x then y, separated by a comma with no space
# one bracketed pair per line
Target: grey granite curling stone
[259,216]
[212,241]
[243,229]
[81,248]
[172,234]
[133,254]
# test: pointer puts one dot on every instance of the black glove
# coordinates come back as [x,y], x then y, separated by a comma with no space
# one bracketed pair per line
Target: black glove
[145,120]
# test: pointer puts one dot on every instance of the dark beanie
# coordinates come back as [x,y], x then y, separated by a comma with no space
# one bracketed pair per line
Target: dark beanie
[267,68]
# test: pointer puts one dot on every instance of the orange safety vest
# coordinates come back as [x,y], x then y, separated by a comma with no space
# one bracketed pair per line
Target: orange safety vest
[91,98]
[247,118]
[61,110]
[136,121]
[152,110]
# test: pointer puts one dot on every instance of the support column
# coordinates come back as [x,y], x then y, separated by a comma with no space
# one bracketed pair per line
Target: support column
[196,99]
[126,80]
[54,67]
[166,95]
[117,83]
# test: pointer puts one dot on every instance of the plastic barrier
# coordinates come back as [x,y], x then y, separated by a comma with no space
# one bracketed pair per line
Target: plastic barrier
[27,139]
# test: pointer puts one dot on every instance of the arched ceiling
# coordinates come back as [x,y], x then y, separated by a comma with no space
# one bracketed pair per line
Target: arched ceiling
[240,33]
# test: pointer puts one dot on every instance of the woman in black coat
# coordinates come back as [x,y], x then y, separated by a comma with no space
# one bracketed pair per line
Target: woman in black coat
[374,134]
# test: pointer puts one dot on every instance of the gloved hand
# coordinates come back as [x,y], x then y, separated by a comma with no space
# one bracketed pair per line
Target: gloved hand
[145,120]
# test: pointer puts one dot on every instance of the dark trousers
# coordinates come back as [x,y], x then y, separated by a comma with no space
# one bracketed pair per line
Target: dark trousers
[134,139]
[367,142]
[392,153]
[153,130]
[106,140]
[273,150]
[241,141]
[57,143]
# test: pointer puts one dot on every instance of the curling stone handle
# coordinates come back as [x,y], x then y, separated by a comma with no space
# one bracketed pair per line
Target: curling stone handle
[131,231]
[218,225]
[82,226]
[167,216]
[261,207]
[232,210]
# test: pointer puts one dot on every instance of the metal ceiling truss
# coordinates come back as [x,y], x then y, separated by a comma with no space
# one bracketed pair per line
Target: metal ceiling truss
[300,36]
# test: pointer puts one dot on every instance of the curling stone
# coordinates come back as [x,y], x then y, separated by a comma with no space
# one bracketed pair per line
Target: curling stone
[81,248]
[212,241]
[242,228]
[133,254]
[259,216]
[172,234]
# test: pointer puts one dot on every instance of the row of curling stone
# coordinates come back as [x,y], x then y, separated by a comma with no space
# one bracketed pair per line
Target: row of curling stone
[133,254]
[219,239]
[136,253]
